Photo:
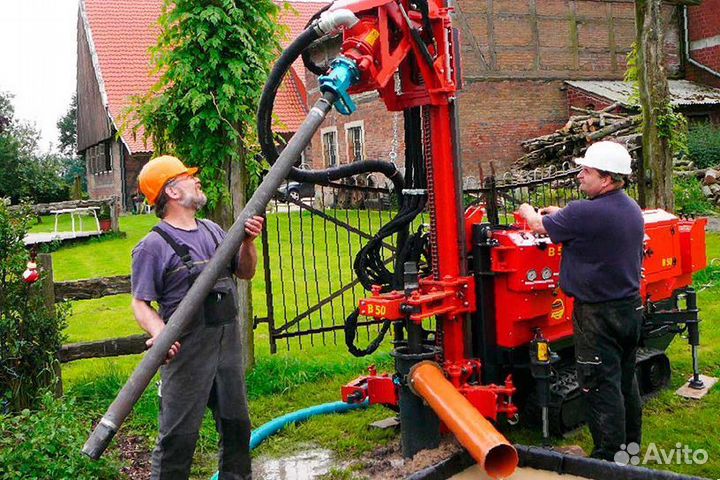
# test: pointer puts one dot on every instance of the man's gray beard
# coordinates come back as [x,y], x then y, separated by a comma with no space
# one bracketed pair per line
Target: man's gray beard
[196,202]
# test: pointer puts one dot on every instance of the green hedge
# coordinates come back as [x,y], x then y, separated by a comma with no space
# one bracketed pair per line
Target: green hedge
[704,145]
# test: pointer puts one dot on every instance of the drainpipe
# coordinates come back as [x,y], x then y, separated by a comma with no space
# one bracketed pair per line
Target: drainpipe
[686,36]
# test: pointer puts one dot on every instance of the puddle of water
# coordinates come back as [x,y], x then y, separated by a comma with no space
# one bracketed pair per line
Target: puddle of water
[306,465]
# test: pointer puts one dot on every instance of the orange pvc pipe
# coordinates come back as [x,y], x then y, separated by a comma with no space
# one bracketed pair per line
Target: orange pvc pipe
[485,444]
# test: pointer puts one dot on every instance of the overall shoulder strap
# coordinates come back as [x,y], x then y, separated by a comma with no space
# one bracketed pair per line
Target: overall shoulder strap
[217,244]
[212,234]
[182,251]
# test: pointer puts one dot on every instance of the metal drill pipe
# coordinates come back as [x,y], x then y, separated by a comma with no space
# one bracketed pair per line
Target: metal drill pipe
[155,357]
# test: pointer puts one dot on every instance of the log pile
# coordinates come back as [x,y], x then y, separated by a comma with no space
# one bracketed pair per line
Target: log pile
[582,129]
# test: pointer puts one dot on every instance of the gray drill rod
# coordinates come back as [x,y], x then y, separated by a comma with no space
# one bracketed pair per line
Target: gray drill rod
[155,356]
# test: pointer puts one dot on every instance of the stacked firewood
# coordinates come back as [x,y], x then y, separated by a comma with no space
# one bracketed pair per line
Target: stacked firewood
[581,130]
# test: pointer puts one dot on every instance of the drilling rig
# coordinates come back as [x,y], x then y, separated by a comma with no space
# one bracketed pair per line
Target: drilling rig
[482,331]
[501,344]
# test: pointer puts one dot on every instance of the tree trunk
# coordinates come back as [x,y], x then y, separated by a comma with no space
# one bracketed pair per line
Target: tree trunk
[224,214]
[655,176]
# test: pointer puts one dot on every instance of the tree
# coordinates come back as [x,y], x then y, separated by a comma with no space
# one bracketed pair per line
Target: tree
[213,58]
[23,173]
[73,165]
[660,122]
[67,128]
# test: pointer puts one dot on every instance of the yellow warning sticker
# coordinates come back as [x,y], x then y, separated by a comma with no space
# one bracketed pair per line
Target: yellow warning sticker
[557,310]
[542,353]
[372,37]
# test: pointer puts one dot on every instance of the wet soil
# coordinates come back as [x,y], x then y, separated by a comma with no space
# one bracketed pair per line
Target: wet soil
[388,463]
[135,452]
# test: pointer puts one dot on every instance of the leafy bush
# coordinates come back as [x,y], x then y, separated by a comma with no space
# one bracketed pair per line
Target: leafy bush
[46,444]
[704,145]
[30,330]
[689,197]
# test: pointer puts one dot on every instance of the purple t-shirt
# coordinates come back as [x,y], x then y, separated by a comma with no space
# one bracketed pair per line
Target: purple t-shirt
[602,247]
[159,275]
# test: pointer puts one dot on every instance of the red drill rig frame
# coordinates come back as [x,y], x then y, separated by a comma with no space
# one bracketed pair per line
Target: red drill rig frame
[502,317]
[502,338]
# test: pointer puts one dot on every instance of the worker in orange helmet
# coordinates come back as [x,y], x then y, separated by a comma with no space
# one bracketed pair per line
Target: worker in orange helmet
[205,367]
[602,241]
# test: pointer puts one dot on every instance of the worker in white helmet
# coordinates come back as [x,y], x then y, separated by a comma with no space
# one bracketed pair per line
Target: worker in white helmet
[602,240]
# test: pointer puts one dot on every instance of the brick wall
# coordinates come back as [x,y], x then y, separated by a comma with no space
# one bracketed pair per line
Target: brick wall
[516,55]
[581,99]
[495,116]
[133,164]
[704,36]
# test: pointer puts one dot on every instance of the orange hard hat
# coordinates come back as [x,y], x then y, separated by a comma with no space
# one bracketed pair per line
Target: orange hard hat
[155,174]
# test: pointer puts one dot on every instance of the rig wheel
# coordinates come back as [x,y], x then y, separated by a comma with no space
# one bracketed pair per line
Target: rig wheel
[653,371]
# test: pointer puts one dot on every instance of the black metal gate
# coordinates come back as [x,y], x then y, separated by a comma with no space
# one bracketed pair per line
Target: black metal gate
[309,246]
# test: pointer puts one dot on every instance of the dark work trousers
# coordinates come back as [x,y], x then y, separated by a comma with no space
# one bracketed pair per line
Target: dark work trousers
[206,372]
[606,343]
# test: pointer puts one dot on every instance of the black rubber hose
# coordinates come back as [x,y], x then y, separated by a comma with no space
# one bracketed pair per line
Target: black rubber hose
[267,140]
[307,61]
[267,99]
[327,175]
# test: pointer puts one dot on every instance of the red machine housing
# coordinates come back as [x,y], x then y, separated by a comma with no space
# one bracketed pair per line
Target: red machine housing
[526,269]
[394,38]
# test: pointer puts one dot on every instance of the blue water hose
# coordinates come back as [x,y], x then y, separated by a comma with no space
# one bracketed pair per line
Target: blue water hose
[263,432]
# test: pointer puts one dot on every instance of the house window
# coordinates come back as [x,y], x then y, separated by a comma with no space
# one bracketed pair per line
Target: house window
[99,158]
[330,147]
[107,150]
[356,140]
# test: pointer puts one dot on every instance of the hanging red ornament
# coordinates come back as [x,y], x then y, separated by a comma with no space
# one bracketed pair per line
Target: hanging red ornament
[31,274]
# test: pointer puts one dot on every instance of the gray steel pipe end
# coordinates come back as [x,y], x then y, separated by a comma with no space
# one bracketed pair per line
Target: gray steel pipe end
[100,439]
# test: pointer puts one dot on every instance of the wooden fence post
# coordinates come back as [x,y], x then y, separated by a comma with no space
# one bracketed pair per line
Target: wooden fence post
[47,291]
[115,214]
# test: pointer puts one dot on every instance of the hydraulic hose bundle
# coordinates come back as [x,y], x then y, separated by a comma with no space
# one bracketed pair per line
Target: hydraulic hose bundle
[369,264]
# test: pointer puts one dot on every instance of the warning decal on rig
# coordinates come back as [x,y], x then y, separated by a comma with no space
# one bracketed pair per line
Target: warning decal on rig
[557,310]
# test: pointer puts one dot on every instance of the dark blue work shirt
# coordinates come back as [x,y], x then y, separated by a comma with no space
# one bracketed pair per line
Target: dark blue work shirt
[602,243]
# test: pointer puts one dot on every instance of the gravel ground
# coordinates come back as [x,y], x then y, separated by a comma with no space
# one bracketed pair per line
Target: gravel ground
[713,224]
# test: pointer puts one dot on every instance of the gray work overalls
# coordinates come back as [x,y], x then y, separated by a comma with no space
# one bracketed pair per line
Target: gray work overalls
[206,372]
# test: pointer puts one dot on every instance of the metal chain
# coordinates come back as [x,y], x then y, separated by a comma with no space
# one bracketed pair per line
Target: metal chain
[427,152]
[395,143]
[395,139]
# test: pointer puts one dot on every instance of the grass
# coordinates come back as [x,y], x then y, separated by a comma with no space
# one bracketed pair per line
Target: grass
[295,379]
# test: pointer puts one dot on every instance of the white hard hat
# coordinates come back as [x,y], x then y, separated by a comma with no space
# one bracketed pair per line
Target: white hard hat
[607,156]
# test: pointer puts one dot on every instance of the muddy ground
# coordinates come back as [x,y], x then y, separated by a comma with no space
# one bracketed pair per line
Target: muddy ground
[385,463]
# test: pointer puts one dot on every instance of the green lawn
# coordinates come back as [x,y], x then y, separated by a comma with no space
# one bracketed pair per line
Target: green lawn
[298,378]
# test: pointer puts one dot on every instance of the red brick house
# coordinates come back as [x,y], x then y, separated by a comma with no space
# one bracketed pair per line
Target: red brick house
[702,45]
[517,57]
[114,64]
